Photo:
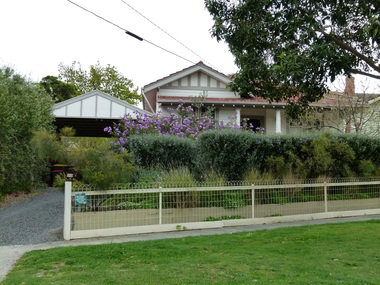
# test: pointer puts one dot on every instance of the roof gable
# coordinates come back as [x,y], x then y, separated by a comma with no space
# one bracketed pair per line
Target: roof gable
[196,71]
[95,104]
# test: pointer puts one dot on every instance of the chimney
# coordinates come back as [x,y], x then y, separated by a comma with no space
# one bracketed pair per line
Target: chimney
[349,89]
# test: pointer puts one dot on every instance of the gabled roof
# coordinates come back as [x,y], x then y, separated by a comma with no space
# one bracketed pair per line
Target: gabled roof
[95,104]
[200,66]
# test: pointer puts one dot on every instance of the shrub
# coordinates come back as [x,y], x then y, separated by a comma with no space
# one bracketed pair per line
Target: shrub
[98,164]
[162,151]
[277,166]
[225,151]
[24,109]
[327,155]
[181,122]
[96,161]
[366,168]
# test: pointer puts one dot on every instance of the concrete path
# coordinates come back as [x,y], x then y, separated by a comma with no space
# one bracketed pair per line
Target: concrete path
[10,254]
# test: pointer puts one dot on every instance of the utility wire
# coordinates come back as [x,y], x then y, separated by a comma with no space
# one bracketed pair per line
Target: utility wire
[167,33]
[130,33]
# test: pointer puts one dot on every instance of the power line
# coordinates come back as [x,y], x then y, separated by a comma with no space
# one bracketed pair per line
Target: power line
[130,33]
[167,33]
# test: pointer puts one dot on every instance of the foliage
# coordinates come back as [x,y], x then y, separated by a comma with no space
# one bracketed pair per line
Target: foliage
[181,122]
[164,152]
[25,108]
[107,79]
[95,160]
[344,248]
[235,199]
[180,177]
[49,147]
[225,151]
[213,219]
[254,176]
[235,154]
[289,50]
[57,89]
[366,168]
[100,165]
[328,156]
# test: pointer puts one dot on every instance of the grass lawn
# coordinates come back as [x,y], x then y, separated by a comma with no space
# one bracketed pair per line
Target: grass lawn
[344,253]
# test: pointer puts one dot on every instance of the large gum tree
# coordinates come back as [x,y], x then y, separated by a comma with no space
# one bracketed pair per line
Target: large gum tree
[289,50]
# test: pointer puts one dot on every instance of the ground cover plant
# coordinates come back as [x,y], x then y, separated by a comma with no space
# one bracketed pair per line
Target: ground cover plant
[342,253]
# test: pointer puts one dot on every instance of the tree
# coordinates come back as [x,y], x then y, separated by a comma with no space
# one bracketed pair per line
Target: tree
[106,79]
[57,89]
[289,50]
[24,108]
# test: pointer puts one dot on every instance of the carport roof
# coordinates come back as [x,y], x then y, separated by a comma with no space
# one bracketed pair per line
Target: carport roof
[95,105]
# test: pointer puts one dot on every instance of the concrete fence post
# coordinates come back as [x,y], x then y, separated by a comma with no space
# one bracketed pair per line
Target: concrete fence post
[67,211]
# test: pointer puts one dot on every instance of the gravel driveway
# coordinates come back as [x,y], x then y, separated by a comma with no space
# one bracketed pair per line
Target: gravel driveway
[35,220]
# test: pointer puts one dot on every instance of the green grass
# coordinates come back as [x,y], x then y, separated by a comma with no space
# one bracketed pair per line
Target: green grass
[343,253]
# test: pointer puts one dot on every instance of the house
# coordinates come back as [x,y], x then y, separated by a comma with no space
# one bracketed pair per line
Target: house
[366,119]
[91,112]
[201,85]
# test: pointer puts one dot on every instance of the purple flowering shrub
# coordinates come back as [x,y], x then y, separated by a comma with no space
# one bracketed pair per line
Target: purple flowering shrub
[181,122]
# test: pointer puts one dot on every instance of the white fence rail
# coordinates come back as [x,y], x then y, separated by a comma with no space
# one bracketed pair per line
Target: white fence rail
[90,213]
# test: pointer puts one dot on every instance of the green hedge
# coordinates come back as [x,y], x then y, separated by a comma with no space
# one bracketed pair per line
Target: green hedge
[233,153]
[162,151]
[227,152]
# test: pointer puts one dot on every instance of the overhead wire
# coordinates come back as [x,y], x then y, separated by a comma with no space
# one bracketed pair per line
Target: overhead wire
[129,32]
[182,44]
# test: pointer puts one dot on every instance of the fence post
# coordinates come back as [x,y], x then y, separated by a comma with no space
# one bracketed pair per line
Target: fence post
[325,194]
[67,211]
[253,201]
[160,207]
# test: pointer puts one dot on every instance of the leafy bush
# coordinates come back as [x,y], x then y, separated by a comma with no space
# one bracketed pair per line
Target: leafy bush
[226,152]
[24,109]
[166,152]
[366,168]
[96,161]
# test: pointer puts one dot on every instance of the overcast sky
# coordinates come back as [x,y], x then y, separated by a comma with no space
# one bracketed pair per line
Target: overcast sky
[38,35]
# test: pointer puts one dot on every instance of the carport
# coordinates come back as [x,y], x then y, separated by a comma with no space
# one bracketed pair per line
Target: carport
[91,112]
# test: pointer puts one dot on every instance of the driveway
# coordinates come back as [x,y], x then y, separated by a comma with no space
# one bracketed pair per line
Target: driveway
[37,219]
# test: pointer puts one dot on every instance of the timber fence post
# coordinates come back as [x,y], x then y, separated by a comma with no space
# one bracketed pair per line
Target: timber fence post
[67,211]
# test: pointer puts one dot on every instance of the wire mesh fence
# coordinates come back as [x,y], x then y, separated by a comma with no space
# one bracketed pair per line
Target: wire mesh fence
[134,205]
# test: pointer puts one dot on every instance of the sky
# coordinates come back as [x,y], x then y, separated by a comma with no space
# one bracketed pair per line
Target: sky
[36,36]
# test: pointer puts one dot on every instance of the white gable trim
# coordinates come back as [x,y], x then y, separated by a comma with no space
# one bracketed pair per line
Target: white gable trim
[186,72]
[94,105]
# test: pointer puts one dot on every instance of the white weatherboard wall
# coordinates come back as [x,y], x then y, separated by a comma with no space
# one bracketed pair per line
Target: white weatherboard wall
[95,104]
[225,115]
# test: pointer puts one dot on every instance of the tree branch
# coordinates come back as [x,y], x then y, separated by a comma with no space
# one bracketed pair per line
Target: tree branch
[349,48]
[357,71]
